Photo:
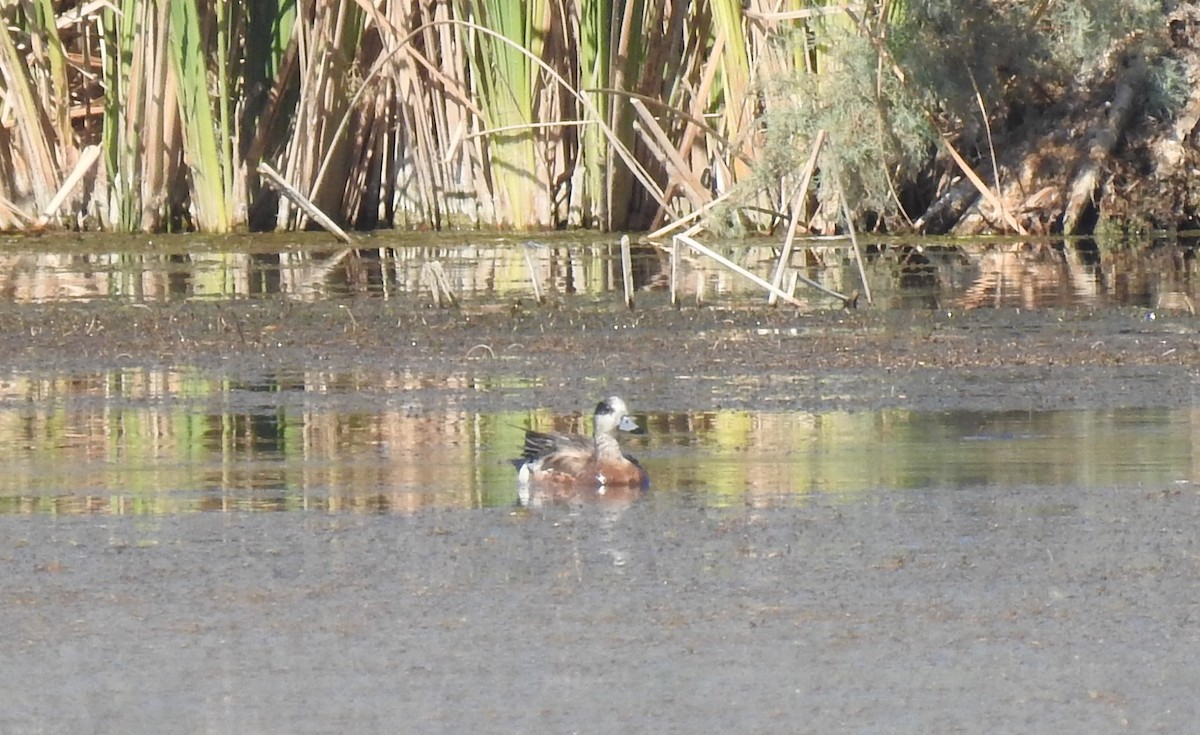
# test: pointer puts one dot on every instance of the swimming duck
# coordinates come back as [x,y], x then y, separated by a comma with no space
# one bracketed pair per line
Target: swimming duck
[573,461]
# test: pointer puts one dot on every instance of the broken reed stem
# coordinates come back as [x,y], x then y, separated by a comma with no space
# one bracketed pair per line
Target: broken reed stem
[87,160]
[682,173]
[302,201]
[703,250]
[533,277]
[785,257]
[797,209]
[674,273]
[695,214]
[627,270]
[862,271]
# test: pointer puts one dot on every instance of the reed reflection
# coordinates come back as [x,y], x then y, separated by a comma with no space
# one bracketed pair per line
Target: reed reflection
[146,441]
[748,458]
[299,267]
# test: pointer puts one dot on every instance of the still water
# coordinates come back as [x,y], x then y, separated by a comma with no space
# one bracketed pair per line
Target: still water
[441,269]
[179,438]
[954,570]
[144,441]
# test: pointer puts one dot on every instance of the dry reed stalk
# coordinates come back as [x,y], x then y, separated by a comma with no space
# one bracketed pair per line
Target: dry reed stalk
[693,129]
[443,101]
[810,166]
[858,259]
[533,276]
[33,141]
[692,216]
[316,147]
[656,138]
[627,270]
[735,74]
[714,255]
[83,167]
[623,152]
[618,192]
[465,26]
[301,201]
[141,137]
[400,140]
[674,278]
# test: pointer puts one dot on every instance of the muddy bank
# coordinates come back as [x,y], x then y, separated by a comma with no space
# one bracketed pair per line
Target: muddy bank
[512,356]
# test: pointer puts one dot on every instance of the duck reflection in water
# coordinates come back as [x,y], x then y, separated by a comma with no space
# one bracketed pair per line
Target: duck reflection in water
[558,466]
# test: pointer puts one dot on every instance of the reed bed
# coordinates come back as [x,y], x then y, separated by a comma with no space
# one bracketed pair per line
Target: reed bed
[149,115]
[520,114]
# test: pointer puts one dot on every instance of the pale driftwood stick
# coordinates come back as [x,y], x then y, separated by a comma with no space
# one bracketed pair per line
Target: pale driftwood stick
[695,214]
[862,271]
[87,159]
[533,277]
[301,201]
[674,273]
[738,269]
[797,209]
[627,270]
[846,300]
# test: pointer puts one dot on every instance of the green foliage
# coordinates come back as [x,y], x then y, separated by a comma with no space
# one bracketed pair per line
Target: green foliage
[877,129]
[886,89]
[508,82]
[1078,33]
[1167,87]
[126,38]
[205,135]
[379,111]
[595,73]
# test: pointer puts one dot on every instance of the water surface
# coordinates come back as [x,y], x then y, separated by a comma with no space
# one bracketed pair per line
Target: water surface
[428,268]
[225,508]
[174,440]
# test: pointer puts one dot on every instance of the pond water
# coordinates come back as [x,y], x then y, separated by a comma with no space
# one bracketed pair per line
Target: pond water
[141,441]
[258,484]
[181,438]
[430,268]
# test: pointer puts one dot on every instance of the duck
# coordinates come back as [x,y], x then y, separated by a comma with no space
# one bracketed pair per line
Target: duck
[570,461]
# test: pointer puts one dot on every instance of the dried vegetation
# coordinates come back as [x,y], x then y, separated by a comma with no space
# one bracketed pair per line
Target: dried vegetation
[926,116]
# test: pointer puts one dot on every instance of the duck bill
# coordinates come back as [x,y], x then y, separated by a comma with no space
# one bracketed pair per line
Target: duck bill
[629,425]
